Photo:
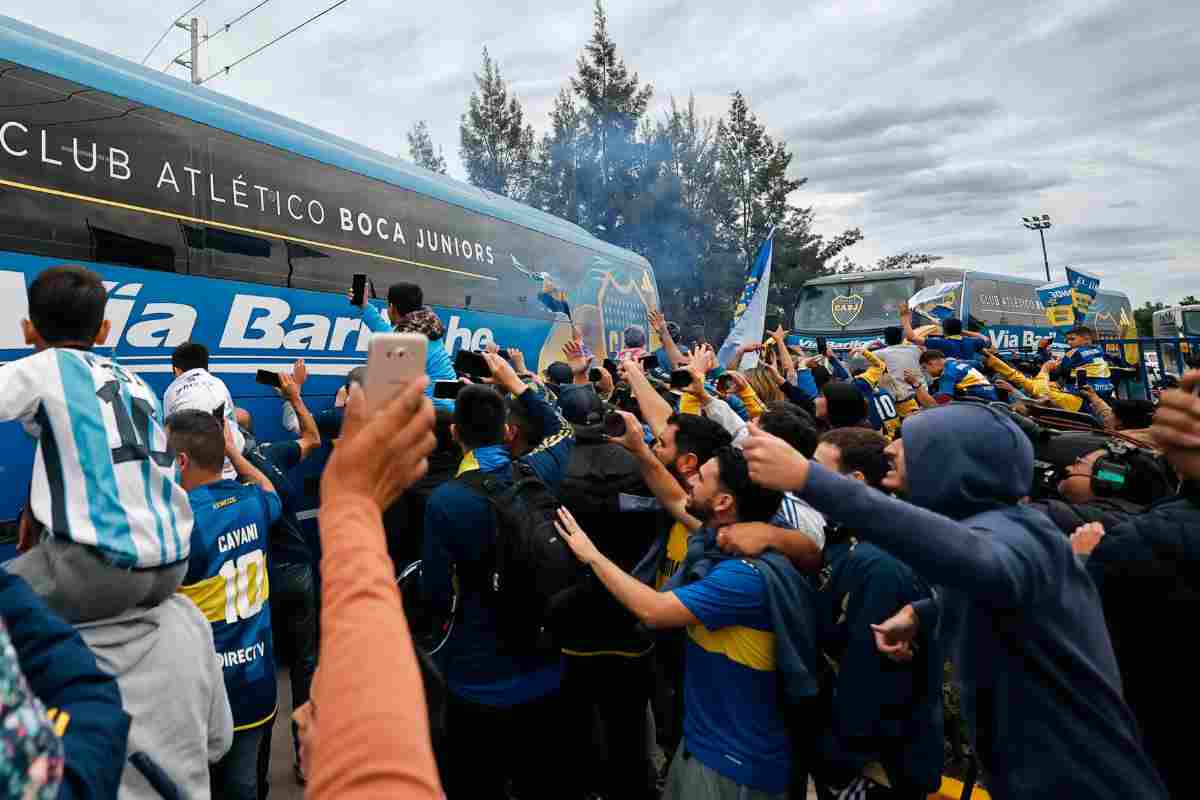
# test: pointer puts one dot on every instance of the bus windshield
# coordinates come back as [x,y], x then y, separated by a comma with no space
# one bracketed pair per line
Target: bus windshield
[1191,322]
[855,305]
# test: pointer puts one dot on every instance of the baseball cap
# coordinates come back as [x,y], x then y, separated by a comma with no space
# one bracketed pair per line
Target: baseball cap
[580,405]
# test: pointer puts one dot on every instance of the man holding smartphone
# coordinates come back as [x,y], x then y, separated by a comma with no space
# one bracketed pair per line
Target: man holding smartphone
[406,313]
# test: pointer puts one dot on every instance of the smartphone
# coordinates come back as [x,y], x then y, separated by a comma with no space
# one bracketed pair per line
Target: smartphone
[594,375]
[1080,379]
[772,322]
[503,353]
[614,425]
[649,362]
[447,390]
[267,378]
[472,364]
[393,360]
[359,289]
[822,345]
[680,379]
[611,366]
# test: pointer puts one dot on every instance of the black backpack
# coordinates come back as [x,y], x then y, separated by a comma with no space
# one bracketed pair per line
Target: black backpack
[532,565]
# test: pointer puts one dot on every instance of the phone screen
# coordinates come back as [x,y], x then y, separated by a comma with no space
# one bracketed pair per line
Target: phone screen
[447,390]
[649,362]
[614,425]
[822,345]
[267,378]
[1080,379]
[473,364]
[772,322]
[359,289]
[681,379]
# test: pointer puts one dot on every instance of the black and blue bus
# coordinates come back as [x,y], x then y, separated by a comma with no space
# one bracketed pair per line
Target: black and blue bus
[214,221]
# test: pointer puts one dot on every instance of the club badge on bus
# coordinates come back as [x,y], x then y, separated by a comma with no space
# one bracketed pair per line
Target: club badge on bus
[846,308]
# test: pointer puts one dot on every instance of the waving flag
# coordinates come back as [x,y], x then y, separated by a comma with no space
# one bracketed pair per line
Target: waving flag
[552,296]
[750,316]
[1083,292]
[937,302]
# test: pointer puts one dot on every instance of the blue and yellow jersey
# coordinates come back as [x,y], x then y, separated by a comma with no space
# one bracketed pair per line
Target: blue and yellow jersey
[227,580]
[732,705]
[881,405]
[961,376]
[1090,358]
[966,348]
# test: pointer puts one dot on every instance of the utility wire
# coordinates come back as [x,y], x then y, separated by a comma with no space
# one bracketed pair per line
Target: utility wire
[168,30]
[223,29]
[225,70]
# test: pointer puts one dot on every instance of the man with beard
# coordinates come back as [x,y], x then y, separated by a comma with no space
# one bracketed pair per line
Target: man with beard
[750,644]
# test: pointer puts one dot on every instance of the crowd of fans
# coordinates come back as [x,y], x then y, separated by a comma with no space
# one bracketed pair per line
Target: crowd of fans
[655,576]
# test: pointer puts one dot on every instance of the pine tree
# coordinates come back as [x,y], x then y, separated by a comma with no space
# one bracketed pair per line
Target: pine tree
[612,105]
[420,149]
[558,161]
[496,147]
[753,171]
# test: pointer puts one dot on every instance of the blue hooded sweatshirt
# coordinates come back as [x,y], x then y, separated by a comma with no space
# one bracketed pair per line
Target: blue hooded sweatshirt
[1021,618]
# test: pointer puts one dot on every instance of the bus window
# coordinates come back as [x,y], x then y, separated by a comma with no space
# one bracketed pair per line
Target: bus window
[856,305]
[1001,302]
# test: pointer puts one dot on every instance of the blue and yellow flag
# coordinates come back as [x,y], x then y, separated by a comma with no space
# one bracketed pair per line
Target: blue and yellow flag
[1056,299]
[750,315]
[1083,292]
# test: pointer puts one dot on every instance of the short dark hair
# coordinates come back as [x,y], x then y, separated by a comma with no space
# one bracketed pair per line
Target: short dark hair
[893,334]
[189,356]
[792,424]
[860,450]
[358,375]
[1082,330]
[66,304]
[635,336]
[754,503]
[406,297]
[479,416]
[199,435]
[698,435]
[952,326]
[931,355]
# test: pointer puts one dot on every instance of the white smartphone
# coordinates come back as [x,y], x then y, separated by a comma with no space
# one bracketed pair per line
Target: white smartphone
[393,361]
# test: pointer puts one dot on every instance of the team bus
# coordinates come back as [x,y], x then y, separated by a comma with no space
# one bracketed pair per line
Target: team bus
[1177,322]
[852,310]
[214,221]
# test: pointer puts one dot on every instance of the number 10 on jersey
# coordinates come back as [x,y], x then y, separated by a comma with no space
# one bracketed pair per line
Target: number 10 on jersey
[248,570]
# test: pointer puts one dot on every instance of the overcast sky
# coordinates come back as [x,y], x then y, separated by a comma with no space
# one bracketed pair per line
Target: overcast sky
[933,126]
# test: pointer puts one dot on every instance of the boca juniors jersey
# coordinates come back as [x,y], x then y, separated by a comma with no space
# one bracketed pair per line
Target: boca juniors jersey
[227,580]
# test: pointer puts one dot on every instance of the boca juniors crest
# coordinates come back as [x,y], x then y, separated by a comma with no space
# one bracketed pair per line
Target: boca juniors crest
[846,308]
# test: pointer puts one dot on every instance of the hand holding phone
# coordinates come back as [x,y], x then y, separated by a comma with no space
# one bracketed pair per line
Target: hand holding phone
[358,289]
[649,362]
[1081,379]
[614,425]
[268,378]
[822,345]
[447,390]
[393,361]
[472,364]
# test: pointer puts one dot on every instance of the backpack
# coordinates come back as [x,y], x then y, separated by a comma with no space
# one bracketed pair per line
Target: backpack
[532,564]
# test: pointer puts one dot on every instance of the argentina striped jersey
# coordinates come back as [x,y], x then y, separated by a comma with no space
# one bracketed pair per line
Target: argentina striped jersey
[102,474]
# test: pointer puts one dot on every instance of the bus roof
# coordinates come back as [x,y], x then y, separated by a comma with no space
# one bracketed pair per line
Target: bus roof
[48,52]
[859,277]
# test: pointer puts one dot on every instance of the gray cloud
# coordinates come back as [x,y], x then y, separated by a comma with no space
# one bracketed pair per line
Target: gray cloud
[932,124]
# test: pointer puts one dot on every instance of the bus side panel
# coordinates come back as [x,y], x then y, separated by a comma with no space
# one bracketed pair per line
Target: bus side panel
[246,327]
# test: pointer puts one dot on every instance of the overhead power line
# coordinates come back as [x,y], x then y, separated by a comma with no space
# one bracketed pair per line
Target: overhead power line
[168,30]
[223,29]
[225,70]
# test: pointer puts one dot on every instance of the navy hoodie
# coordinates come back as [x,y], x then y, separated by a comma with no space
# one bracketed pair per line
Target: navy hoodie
[1021,618]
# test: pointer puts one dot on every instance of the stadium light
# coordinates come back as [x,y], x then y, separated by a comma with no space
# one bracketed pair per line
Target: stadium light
[1040,224]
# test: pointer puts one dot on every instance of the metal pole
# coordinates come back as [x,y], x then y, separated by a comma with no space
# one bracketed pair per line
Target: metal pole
[1045,258]
[195,31]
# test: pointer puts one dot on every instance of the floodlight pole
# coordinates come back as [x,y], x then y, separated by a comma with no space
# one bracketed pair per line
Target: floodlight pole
[1045,258]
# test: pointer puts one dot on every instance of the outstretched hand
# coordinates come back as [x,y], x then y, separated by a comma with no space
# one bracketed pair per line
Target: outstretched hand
[574,536]
[380,455]
[1086,537]
[894,637]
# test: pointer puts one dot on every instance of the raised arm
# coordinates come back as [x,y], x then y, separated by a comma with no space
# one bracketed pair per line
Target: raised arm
[659,323]
[662,483]
[310,436]
[785,355]
[1000,569]
[655,410]
[906,323]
